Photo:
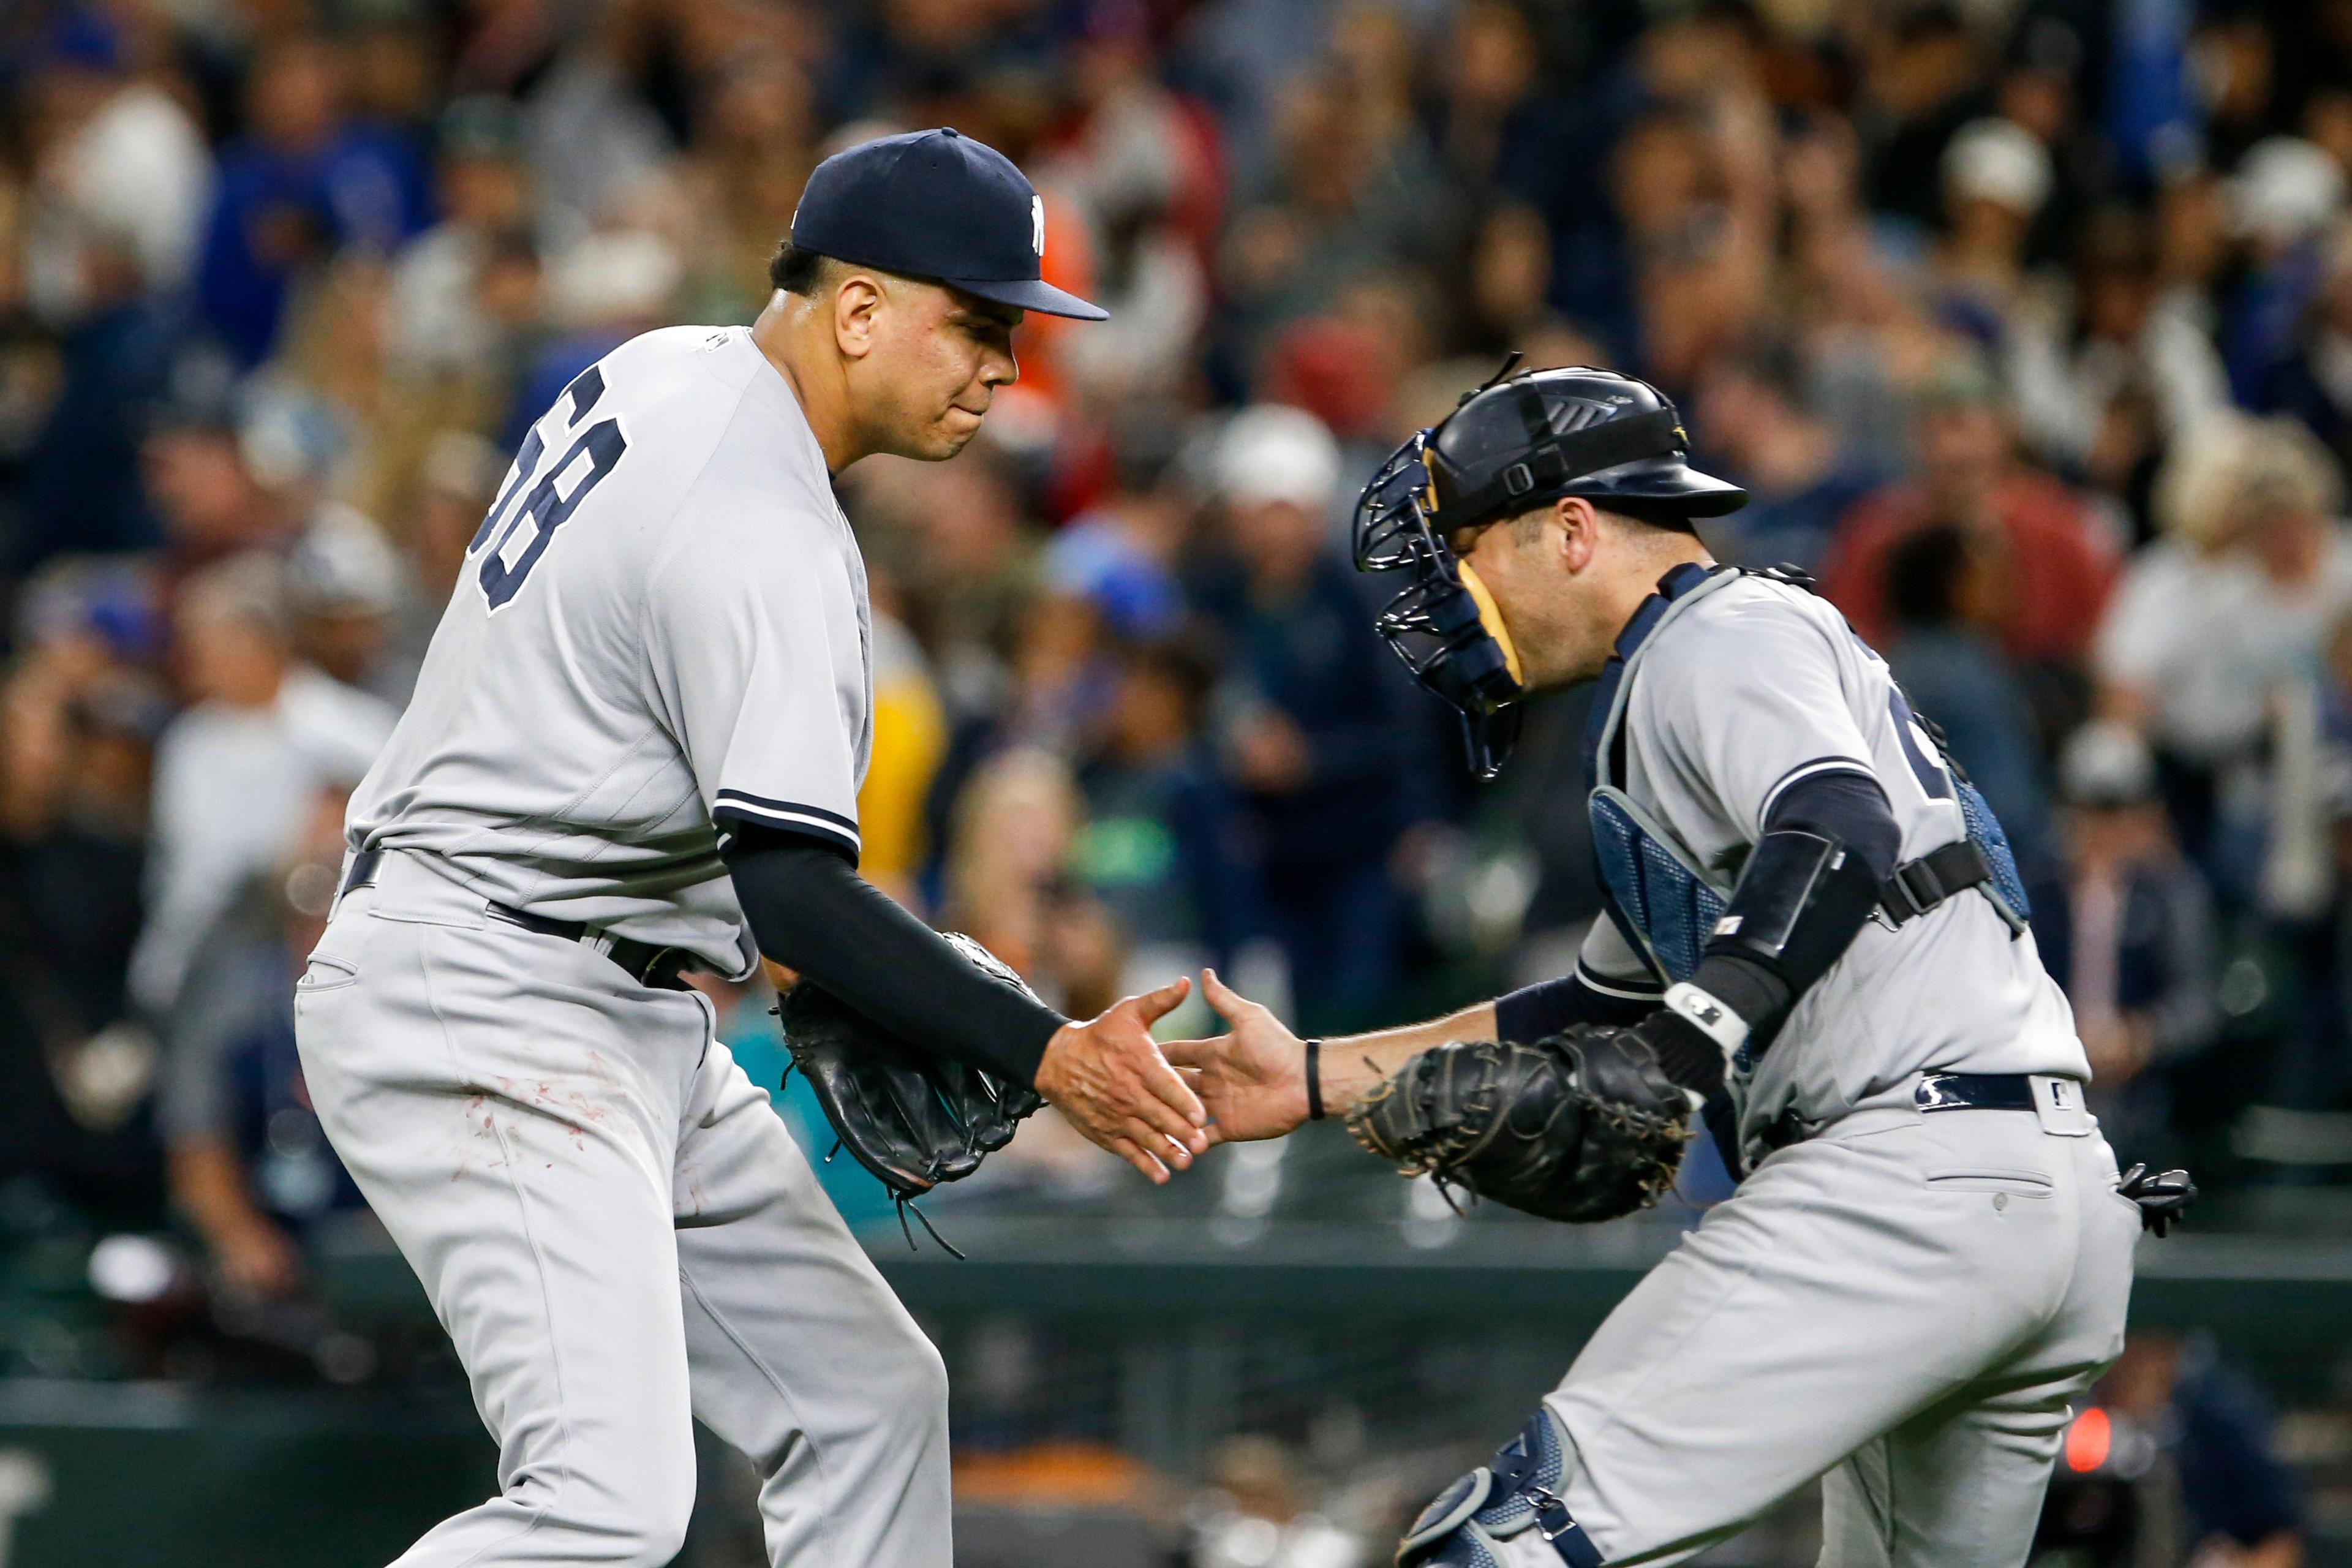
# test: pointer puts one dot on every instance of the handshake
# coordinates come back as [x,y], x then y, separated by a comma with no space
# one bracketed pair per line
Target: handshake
[1584,1125]
[1159,1107]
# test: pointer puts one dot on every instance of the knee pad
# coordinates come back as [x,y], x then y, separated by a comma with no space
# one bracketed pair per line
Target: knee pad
[1507,1514]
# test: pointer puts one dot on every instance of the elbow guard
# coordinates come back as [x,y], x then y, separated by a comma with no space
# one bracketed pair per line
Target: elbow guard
[1802,899]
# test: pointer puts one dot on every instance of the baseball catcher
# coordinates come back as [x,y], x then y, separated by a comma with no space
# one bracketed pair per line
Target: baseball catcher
[1815,929]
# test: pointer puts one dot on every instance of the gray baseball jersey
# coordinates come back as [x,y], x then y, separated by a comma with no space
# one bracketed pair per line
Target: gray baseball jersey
[1904,1303]
[1730,690]
[661,627]
[662,623]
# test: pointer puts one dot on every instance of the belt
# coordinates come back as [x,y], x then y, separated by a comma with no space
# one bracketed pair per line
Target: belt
[647,964]
[1935,1093]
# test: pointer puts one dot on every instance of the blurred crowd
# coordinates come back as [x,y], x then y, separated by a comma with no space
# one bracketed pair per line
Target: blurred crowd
[2028,323]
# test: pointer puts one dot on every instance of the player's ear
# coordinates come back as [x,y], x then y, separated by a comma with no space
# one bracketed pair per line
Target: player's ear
[1576,532]
[857,302]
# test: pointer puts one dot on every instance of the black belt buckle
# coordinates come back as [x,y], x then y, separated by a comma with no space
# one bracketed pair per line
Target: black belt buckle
[365,866]
[1785,1129]
[657,968]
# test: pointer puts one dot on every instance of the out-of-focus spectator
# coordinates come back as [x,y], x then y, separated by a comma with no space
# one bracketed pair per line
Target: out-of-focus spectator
[1920,85]
[249,1165]
[1314,730]
[2243,1506]
[1166,846]
[754,142]
[1357,193]
[80,491]
[1121,554]
[77,723]
[118,164]
[345,588]
[1997,178]
[455,485]
[194,465]
[304,182]
[1800,475]
[1143,163]
[1944,591]
[2218,623]
[439,319]
[2057,560]
[911,739]
[1008,861]
[2313,380]
[2132,939]
[954,540]
[2102,393]
[2282,199]
[235,773]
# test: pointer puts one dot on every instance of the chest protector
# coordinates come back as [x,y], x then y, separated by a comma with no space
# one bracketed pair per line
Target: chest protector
[1665,903]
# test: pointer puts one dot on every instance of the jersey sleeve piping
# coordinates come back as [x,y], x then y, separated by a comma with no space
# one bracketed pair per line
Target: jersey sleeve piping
[1625,989]
[815,821]
[1807,769]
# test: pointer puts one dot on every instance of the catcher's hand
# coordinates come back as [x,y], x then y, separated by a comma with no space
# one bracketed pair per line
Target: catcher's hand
[912,1118]
[1583,1126]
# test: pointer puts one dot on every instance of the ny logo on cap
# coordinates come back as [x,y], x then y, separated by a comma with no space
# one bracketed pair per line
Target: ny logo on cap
[1037,226]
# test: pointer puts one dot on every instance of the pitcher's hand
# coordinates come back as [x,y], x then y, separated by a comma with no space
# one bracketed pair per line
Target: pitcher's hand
[1254,1081]
[1107,1078]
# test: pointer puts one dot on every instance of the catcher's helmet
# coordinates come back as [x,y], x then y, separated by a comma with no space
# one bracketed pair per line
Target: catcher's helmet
[1510,446]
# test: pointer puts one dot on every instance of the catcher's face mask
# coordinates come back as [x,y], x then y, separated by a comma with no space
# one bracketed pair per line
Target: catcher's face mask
[1444,626]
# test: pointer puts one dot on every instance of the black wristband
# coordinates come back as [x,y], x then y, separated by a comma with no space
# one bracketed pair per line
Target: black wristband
[1314,1081]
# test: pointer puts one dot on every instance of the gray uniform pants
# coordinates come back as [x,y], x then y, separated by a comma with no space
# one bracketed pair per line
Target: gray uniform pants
[1906,1302]
[619,1233]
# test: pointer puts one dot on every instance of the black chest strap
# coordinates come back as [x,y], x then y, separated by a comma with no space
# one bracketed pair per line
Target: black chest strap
[1918,885]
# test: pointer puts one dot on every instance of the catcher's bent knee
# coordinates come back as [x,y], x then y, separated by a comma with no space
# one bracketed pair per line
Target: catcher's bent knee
[1505,1515]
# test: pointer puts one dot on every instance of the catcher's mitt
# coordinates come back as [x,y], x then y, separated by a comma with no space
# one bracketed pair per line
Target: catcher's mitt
[1583,1126]
[912,1118]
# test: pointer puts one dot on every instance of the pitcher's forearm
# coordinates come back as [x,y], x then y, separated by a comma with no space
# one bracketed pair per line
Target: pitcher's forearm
[1353,1066]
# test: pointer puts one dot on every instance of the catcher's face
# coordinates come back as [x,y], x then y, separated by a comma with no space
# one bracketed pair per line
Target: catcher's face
[933,362]
[1523,565]
[1563,580]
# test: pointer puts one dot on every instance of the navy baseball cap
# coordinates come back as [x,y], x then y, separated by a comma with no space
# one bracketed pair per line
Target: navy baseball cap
[936,203]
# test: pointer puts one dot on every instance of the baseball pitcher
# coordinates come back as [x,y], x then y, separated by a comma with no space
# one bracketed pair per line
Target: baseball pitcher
[635,749]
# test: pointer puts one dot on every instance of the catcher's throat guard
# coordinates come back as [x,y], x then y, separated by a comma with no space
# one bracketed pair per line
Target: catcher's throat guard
[1512,444]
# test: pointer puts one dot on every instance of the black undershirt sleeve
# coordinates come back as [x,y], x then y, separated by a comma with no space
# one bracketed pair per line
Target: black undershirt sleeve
[1536,1012]
[811,911]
